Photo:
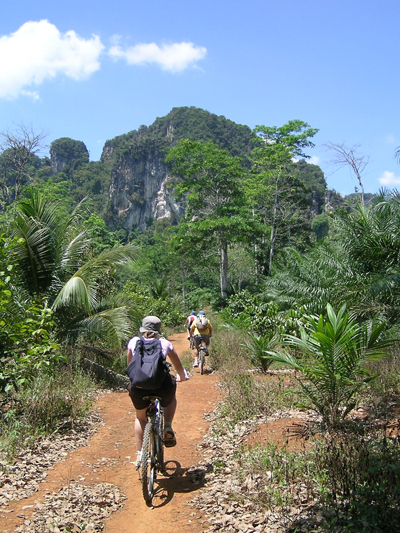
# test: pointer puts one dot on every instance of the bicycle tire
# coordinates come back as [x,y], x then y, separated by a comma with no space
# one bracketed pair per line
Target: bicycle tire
[148,466]
[202,360]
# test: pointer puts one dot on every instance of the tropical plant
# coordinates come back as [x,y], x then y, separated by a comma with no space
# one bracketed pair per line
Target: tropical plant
[31,347]
[56,262]
[336,350]
[232,321]
[325,274]
[371,240]
[159,289]
[259,347]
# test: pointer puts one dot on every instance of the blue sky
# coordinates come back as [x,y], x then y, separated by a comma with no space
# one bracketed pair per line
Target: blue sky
[91,70]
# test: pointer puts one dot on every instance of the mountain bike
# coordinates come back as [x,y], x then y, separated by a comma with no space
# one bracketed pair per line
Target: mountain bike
[153,447]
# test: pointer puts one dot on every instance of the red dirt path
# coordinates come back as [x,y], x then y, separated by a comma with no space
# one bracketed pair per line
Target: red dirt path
[108,454]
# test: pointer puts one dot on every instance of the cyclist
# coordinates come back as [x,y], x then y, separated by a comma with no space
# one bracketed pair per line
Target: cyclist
[150,329]
[200,334]
[189,322]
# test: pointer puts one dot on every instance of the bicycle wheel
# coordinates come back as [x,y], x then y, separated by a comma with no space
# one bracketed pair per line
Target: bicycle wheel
[202,360]
[148,466]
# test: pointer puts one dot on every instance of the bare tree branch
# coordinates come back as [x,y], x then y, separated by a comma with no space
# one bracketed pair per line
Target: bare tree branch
[16,148]
[348,156]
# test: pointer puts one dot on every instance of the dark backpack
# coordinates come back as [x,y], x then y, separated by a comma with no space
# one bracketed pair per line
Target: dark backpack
[148,368]
[201,323]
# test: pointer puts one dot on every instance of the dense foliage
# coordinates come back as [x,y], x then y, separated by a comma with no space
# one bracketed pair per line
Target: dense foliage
[181,123]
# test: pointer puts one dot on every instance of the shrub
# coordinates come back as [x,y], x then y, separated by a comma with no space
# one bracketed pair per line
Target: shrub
[262,318]
[350,482]
[361,487]
[31,348]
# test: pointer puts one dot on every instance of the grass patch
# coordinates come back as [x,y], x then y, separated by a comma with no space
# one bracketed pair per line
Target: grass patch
[276,477]
[226,351]
[187,361]
[248,393]
[347,482]
[48,404]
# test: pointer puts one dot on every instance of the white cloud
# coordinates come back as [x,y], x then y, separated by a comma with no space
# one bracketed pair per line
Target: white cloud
[389,179]
[172,57]
[32,94]
[38,51]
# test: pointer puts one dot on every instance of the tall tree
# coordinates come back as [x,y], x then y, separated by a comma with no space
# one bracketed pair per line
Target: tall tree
[212,190]
[276,194]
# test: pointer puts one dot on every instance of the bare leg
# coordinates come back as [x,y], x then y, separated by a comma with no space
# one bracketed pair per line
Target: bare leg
[169,435]
[140,424]
[169,412]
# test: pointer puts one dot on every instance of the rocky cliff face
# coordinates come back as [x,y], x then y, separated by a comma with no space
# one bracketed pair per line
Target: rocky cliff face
[138,189]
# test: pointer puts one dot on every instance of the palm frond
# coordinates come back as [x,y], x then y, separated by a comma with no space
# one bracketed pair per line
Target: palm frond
[110,325]
[82,287]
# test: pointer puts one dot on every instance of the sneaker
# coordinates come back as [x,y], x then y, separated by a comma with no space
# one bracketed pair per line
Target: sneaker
[196,362]
[169,437]
[138,458]
[188,338]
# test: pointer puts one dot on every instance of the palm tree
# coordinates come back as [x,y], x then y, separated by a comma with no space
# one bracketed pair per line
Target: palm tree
[313,279]
[55,262]
[333,367]
[371,238]
[258,349]
[362,269]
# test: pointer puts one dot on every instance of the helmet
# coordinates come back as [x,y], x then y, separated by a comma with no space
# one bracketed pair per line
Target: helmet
[193,313]
[200,313]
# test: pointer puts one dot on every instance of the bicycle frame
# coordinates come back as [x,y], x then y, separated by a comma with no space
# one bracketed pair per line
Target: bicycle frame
[153,447]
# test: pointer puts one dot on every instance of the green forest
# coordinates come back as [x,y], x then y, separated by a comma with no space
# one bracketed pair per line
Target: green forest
[293,275]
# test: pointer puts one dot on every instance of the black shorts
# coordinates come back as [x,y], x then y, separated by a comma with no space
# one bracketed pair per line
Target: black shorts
[166,392]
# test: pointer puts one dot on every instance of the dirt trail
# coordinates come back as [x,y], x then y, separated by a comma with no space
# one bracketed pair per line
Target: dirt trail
[108,456]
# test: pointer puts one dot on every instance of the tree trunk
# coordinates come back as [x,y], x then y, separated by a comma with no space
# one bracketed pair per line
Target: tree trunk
[271,250]
[183,283]
[223,267]
[255,253]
